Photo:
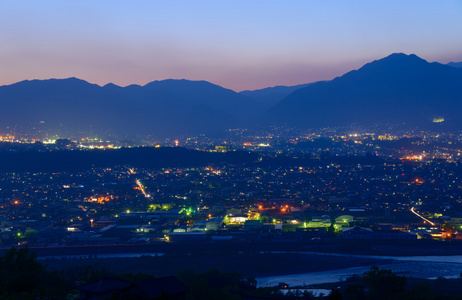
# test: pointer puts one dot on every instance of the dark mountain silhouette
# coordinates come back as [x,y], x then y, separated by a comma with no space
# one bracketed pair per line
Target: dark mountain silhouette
[397,88]
[272,95]
[160,108]
[455,64]
[143,157]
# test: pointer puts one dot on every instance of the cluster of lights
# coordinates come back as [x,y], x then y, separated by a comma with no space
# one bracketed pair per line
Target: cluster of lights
[100,199]
[99,146]
[214,171]
[8,138]
[413,157]
[188,211]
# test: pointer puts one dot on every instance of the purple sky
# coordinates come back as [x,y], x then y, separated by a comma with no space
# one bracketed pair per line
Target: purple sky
[236,44]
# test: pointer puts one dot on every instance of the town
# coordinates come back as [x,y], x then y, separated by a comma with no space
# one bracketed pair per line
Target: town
[303,186]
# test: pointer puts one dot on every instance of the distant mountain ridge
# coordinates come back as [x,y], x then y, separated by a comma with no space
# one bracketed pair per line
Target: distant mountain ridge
[160,108]
[398,88]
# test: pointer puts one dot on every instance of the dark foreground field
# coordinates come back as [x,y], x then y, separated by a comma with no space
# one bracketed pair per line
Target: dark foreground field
[250,259]
[392,248]
[249,264]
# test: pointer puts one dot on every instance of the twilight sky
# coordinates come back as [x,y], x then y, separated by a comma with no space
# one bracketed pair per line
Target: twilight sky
[236,44]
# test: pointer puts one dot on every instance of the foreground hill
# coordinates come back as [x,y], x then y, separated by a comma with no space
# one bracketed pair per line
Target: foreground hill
[141,157]
[160,108]
[397,89]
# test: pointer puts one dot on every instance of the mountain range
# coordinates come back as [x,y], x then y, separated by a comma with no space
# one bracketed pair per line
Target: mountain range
[160,108]
[398,88]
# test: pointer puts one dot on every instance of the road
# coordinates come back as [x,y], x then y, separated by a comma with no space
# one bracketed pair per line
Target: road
[420,216]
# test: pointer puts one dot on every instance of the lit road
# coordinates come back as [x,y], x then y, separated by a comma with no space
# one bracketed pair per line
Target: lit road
[138,182]
[420,216]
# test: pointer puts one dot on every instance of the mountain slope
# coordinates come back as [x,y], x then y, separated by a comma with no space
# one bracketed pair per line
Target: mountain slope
[455,64]
[160,108]
[272,95]
[398,88]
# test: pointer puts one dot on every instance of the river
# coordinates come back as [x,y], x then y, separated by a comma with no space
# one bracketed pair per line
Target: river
[410,266]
